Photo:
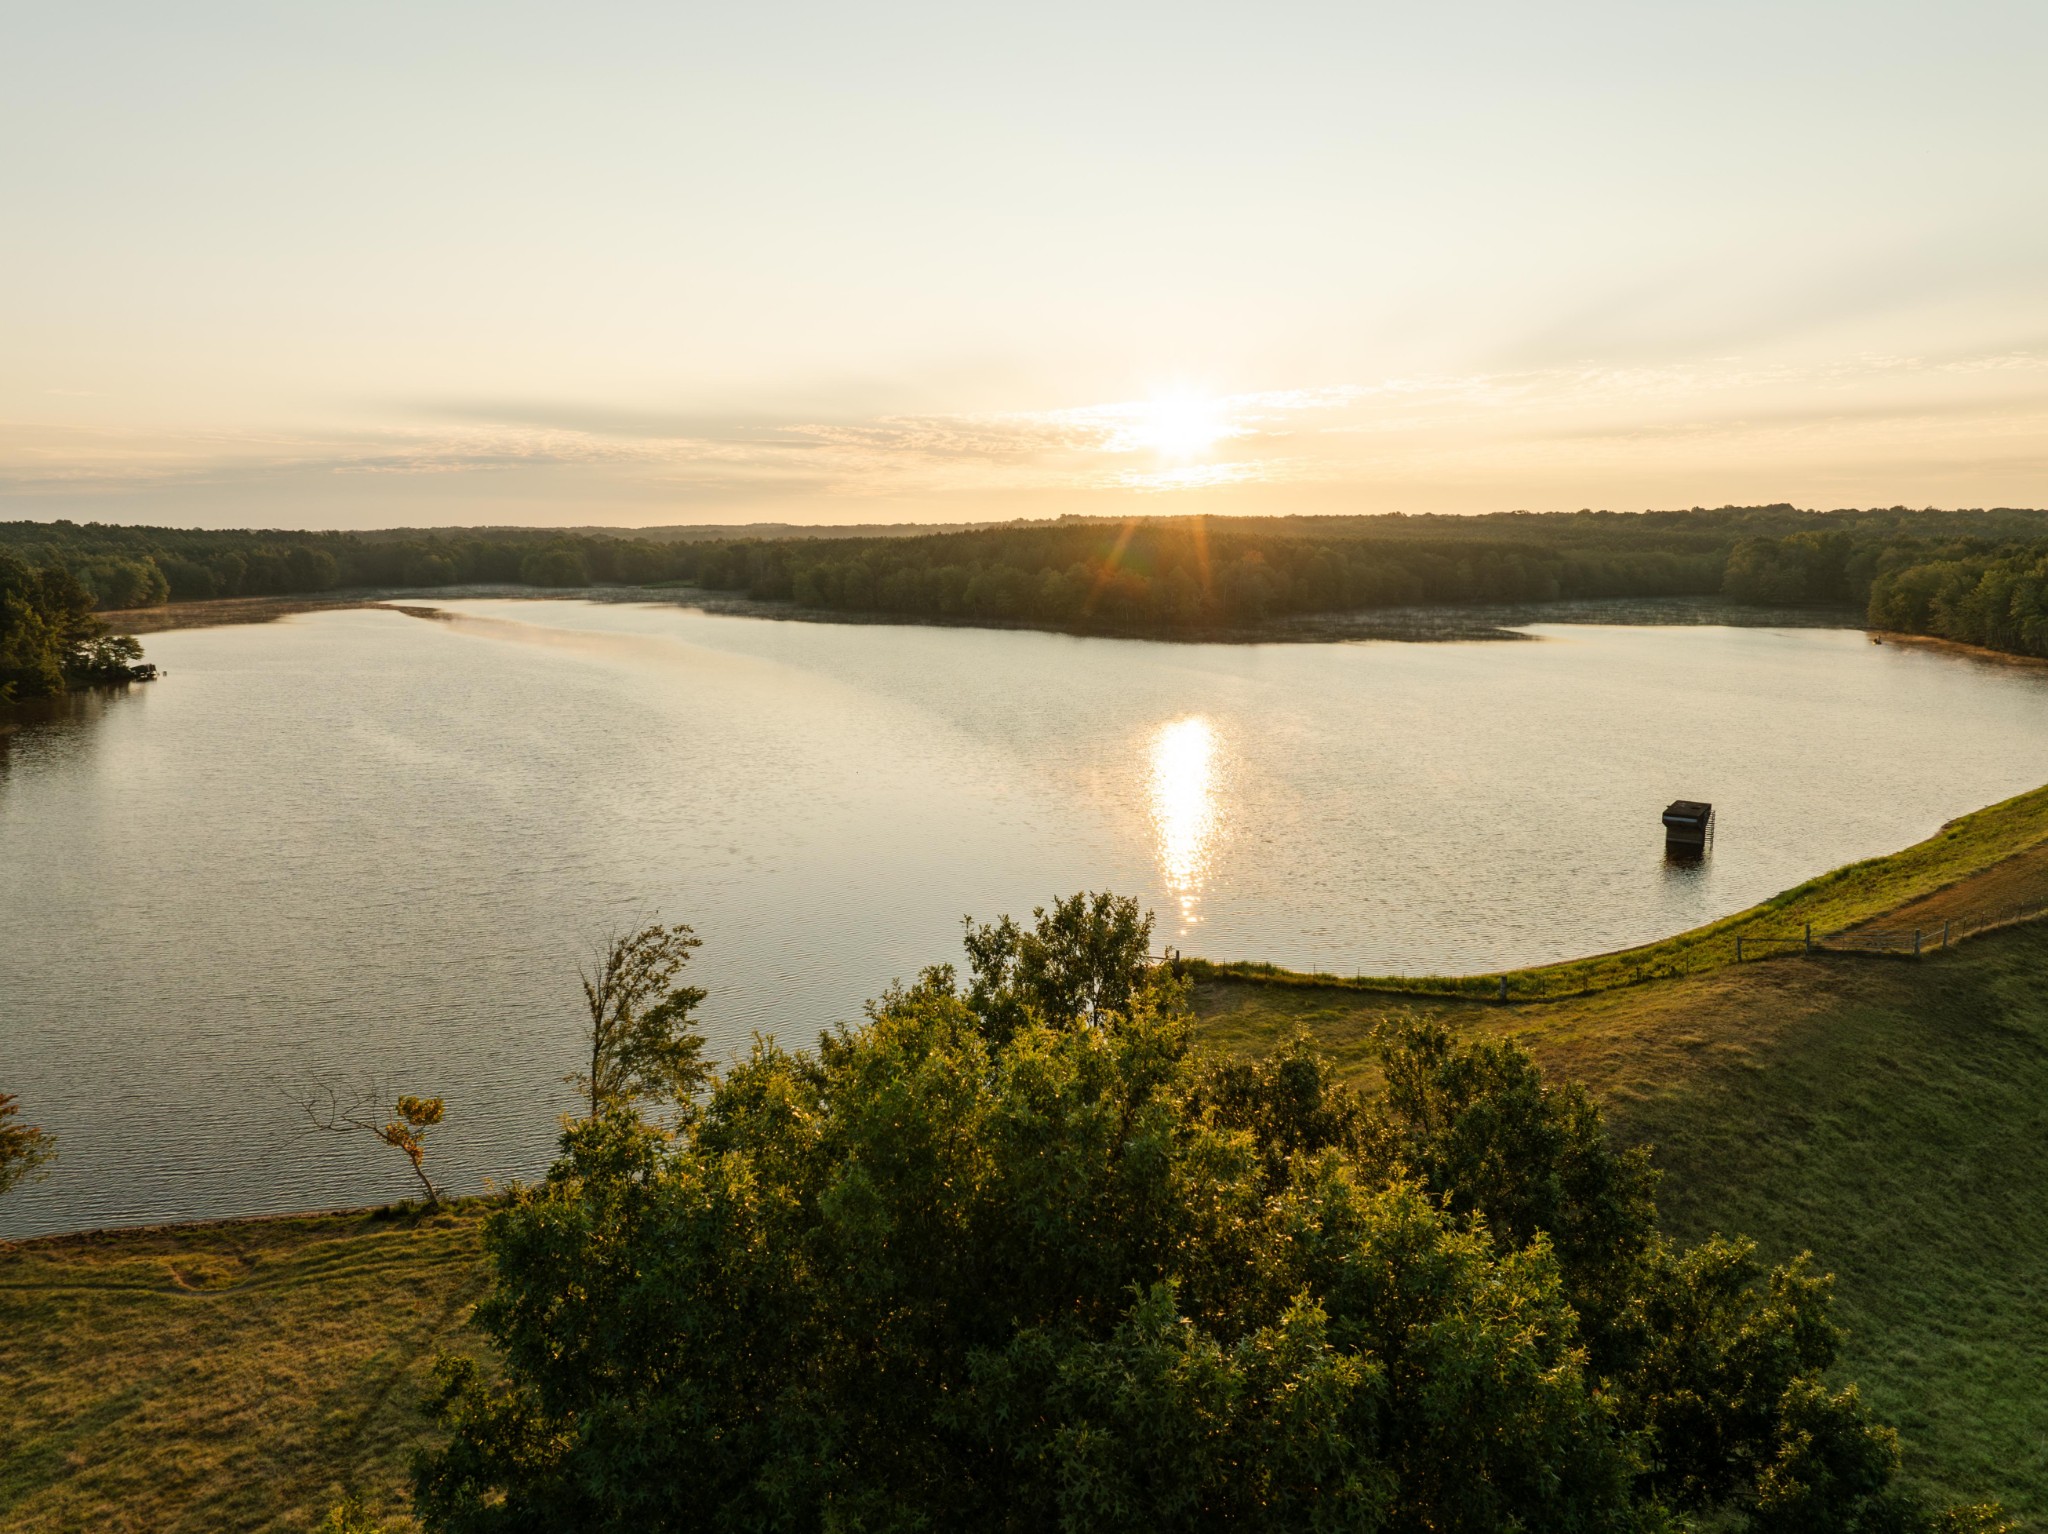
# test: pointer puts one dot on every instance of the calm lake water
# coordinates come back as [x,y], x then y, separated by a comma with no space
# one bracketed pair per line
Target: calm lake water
[360,847]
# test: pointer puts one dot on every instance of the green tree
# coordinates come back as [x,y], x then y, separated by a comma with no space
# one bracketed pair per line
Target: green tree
[119,583]
[1019,1258]
[1082,962]
[311,569]
[1478,1128]
[49,638]
[640,1044]
[25,1150]
[1715,1364]
[919,1281]
[32,648]
[559,566]
[188,579]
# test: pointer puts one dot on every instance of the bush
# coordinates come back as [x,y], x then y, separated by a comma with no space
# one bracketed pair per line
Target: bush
[1014,1256]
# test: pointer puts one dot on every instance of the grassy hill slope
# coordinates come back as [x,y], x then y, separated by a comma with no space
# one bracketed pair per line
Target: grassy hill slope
[1891,1116]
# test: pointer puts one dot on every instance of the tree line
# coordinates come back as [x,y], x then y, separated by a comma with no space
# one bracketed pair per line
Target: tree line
[1966,574]
[124,567]
[1973,590]
[1969,575]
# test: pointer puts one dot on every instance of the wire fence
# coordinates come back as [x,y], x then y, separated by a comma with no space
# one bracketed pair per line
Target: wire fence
[1908,941]
[1898,940]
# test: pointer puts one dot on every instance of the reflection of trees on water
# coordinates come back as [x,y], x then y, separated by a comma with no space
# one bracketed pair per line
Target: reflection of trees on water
[35,722]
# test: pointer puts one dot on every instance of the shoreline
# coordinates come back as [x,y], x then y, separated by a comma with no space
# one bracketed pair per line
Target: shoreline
[1954,647]
[461,1205]
[1838,913]
[1442,624]
[1995,851]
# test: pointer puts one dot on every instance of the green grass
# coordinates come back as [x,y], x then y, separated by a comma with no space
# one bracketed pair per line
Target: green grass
[232,1376]
[1902,1135]
[1891,1117]
[1849,896]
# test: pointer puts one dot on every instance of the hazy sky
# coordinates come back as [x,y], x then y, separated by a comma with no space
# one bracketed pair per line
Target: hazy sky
[361,265]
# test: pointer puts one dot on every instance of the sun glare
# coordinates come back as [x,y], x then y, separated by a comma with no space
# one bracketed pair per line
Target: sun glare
[1178,427]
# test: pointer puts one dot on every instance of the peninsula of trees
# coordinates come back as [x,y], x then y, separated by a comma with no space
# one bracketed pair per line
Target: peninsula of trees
[50,640]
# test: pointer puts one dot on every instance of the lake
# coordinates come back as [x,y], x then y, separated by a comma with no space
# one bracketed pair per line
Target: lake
[359,848]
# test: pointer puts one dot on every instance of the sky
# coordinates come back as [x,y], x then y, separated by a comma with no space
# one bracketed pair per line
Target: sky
[368,265]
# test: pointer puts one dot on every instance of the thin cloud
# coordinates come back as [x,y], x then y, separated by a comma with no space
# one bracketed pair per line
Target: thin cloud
[1356,434]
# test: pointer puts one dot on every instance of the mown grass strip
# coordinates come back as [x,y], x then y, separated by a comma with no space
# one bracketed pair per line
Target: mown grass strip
[234,1376]
[1847,896]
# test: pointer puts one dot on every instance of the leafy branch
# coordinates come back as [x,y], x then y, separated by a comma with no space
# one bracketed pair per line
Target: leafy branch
[404,1129]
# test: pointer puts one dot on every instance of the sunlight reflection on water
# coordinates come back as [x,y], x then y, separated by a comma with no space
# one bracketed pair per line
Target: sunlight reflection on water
[1184,808]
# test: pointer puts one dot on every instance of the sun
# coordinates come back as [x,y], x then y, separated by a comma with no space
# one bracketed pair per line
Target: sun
[1178,427]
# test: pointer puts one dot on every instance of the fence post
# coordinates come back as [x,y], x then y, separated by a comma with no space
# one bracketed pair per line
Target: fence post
[1944,934]
[1916,942]
[1503,987]
[1809,937]
[1738,950]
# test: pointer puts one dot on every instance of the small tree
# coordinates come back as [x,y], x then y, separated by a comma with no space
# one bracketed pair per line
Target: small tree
[405,1130]
[24,1149]
[1080,963]
[641,1046]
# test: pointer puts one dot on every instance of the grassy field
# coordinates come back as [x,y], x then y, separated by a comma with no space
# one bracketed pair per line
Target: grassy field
[230,1376]
[1888,1115]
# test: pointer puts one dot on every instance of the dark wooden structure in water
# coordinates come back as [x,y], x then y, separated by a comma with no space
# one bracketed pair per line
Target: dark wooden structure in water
[1688,826]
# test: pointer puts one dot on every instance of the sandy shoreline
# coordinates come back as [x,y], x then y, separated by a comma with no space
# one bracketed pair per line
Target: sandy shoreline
[220,612]
[1955,647]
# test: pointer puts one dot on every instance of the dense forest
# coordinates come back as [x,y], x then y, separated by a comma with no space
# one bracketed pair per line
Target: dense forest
[1976,576]
[1014,1255]
[142,566]
[1195,574]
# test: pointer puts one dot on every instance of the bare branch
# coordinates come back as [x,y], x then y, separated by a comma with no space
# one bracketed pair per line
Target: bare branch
[403,1128]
